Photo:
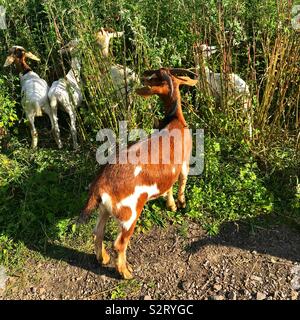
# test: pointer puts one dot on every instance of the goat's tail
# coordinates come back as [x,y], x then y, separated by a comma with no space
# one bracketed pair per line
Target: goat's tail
[52,101]
[92,203]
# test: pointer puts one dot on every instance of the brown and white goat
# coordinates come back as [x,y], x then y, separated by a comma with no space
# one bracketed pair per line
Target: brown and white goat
[121,190]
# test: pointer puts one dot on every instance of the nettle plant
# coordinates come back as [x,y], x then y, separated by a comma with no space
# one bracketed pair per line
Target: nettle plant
[8,114]
[227,191]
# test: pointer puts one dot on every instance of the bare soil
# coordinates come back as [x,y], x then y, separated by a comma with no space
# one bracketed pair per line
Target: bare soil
[237,265]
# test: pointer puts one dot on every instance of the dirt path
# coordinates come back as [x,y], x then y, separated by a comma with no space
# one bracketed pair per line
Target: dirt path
[234,265]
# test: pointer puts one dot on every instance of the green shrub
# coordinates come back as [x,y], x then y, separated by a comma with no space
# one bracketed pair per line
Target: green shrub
[8,114]
[228,190]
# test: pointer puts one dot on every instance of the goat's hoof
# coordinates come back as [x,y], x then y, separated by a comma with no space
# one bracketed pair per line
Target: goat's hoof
[172,208]
[129,267]
[181,204]
[103,259]
[125,272]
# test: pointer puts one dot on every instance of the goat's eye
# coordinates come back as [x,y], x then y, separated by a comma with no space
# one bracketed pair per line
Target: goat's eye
[18,53]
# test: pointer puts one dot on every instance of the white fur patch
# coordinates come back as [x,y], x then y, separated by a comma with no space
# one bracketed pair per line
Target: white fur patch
[137,171]
[184,169]
[173,170]
[106,201]
[132,200]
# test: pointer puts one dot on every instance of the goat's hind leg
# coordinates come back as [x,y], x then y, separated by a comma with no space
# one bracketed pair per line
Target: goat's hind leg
[181,188]
[34,134]
[170,200]
[52,113]
[121,244]
[101,254]
[72,115]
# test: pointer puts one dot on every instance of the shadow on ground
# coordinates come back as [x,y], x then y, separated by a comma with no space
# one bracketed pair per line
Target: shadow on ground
[263,235]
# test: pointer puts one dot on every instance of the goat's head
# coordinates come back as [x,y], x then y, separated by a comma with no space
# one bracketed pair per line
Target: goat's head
[17,55]
[103,37]
[207,51]
[164,82]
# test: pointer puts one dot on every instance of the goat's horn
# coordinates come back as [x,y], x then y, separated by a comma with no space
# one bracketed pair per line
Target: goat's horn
[148,73]
[183,72]
[110,30]
[32,56]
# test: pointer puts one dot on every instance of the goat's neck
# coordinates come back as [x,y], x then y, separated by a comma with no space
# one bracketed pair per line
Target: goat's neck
[74,73]
[23,67]
[105,51]
[172,108]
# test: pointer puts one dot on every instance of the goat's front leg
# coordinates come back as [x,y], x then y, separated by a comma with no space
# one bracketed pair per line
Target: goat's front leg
[182,184]
[72,114]
[34,134]
[121,244]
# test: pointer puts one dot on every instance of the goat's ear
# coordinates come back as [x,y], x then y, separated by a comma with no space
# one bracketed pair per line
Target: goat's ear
[32,56]
[187,81]
[9,60]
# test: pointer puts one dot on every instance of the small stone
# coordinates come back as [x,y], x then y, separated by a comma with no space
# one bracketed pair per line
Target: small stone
[217,287]
[218,297]
[147,297]
[185,285]
[256,278]
[33,290]
[42,290]
[232,295]
[294,295]
[254,252]
[260,296]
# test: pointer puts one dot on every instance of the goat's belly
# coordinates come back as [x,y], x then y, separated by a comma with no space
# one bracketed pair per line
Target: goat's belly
[66,95]
[122,179]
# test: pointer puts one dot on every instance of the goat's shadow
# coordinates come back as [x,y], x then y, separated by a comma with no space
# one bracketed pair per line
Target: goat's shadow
[262,235]
[79,259]
[32,208]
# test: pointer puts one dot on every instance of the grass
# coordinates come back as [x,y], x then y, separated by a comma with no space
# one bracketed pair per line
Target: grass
[42,191]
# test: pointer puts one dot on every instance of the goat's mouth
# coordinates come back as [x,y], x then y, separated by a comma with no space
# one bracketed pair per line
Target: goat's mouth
[144,91]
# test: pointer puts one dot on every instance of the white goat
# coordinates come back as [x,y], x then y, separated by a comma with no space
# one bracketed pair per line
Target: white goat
[66,92]
[34,92]
[237,87]
[123,78]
